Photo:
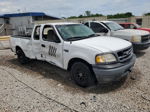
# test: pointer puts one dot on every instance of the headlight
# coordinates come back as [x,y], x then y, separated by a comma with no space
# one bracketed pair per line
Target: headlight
[136,39]
[105,58]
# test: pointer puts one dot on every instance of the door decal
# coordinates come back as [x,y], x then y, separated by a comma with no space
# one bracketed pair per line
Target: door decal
[52,51]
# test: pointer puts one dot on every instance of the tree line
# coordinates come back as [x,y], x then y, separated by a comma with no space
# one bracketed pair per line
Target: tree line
[118,15]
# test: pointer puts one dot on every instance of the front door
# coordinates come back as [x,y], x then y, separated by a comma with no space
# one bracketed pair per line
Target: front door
[52,51]
[97,28]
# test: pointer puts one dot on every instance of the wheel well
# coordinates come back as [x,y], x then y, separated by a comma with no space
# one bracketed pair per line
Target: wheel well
[74,60]
[18,48]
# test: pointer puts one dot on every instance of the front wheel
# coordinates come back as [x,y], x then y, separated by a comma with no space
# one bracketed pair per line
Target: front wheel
[82,75]
[21,57]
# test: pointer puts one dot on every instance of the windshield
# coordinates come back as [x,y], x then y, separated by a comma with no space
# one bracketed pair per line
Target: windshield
[74,31]
[114,26]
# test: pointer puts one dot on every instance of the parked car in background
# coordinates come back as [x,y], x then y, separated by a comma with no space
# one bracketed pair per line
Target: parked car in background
[76,48]
[133,26]
[140,39]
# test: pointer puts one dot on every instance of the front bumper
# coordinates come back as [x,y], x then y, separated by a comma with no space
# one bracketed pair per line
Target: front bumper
[141,46]
[114,72]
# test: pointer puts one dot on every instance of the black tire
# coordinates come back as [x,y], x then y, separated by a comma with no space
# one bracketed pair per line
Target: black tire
[82,75]
[21,57]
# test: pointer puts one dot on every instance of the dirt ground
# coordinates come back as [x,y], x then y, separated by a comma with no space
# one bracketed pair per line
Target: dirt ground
[41,87]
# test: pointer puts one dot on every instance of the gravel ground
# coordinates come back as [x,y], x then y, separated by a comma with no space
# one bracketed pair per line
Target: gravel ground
[41,87]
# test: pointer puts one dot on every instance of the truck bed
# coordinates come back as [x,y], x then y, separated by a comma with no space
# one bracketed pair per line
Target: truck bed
[22,36]
[24,42]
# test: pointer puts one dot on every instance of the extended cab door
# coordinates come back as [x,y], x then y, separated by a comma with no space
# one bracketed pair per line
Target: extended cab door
[51,46]
[36,43]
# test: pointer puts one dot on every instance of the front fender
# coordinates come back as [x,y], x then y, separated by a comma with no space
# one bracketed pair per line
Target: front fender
[83,54]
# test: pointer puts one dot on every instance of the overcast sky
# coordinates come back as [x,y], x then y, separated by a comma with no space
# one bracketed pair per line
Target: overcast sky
[65,8]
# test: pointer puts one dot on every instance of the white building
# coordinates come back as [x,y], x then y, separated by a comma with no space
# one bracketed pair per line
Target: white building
[21,23]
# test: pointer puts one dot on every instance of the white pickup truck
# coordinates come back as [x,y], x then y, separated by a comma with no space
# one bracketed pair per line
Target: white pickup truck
[76,48]
[140,39]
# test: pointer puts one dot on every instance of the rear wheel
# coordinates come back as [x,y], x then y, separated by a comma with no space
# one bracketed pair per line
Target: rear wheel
[82,75]
[21,57]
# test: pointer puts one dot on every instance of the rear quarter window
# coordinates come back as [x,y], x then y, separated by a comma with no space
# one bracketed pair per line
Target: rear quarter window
[37,33]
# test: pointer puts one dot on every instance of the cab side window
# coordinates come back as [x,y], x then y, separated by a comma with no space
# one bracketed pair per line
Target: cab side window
[132,26]
[96,27]
[49,34]
[37,33]
[127,26]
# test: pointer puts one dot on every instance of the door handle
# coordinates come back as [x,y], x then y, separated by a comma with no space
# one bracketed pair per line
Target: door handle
[42,45]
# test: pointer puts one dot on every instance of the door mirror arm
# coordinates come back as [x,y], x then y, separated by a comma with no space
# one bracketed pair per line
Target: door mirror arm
[56,39]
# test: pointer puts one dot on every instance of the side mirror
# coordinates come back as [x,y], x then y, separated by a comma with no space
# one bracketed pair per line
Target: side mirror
[104,30]
[56,39]
[53,37]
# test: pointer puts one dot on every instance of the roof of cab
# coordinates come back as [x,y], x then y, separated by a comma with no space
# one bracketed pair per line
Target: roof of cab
[101,21]
[60,23]
[106,21]
[127,23]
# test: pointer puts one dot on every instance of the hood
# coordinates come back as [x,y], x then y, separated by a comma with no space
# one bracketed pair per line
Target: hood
[104,44]
[130,32]
[145,29]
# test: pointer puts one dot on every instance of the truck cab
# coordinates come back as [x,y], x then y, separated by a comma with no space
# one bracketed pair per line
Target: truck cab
[139,39]
[75,47]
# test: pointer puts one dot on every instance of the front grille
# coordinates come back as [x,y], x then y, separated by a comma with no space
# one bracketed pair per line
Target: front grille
[125,54]
[145,38]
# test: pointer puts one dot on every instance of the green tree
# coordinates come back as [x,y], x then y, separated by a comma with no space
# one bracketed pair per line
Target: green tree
[147,14]
[121,15]
[88,13]
[96,15]
[81,16]
[72,17]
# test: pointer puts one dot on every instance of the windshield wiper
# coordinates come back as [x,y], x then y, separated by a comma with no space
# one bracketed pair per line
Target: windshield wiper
[74,38]
[82,37]
[118,29]
[92,35]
